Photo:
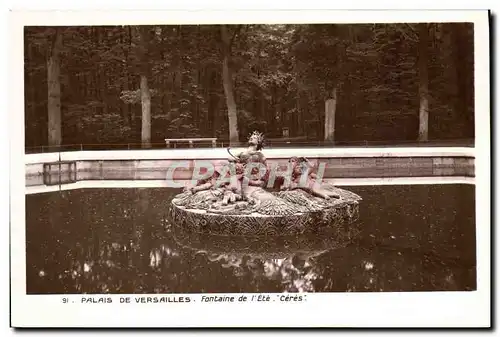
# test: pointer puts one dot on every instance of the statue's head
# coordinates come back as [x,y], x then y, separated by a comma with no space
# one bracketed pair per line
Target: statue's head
[256,138]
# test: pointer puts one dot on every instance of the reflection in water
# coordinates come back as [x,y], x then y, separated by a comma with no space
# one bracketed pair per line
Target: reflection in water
[418,237]
[287,262]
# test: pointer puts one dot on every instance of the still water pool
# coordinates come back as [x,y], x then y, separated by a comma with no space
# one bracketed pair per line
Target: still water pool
[413,238]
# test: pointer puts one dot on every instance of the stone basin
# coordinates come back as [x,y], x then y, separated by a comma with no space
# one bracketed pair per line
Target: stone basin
[305,214]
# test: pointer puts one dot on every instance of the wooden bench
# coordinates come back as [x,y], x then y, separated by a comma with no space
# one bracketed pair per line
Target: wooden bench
[190,141]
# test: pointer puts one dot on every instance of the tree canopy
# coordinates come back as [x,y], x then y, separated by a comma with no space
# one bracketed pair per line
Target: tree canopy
[280,76]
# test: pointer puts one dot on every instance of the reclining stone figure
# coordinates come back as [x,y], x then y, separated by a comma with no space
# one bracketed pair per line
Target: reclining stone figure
[304,177]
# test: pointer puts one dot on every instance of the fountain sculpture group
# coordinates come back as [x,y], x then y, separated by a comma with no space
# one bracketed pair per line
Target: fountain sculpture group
[244,197]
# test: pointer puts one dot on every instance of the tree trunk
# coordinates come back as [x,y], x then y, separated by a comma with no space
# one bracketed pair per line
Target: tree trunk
[300,117]
[330,107]
[423,129]
[31,99]
[54,90]
[227,81]
[146,113]
[145,93]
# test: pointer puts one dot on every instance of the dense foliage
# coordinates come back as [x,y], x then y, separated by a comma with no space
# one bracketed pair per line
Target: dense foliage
[282,75]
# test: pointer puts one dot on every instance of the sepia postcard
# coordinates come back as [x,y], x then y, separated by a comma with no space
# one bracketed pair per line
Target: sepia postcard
[250,169]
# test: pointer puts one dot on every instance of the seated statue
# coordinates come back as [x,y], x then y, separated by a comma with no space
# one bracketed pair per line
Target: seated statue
[238,184]
[235,189]
[253,154]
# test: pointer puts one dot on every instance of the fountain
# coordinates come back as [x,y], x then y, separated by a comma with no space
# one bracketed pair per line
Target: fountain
[245,197]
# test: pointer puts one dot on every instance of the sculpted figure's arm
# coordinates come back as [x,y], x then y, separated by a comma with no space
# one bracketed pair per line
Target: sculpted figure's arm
[263,158]
[202,185]
[234,158]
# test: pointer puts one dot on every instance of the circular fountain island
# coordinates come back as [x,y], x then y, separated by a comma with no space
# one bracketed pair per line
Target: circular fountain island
[245,197]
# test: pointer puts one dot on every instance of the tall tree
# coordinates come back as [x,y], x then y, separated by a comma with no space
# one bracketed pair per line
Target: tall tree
[330,107]
[54,88]
[423,72]
[144,88]
[227,80]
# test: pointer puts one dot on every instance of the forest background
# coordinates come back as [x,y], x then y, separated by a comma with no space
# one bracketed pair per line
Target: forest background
[107,87]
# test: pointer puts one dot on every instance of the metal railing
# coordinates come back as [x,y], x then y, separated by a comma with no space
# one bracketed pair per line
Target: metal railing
[190,141]
[269,144]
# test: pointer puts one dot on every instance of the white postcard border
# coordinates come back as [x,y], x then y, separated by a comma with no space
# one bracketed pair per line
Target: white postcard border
[320,309]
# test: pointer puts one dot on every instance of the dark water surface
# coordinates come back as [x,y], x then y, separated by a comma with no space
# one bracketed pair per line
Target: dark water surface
[413,238]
